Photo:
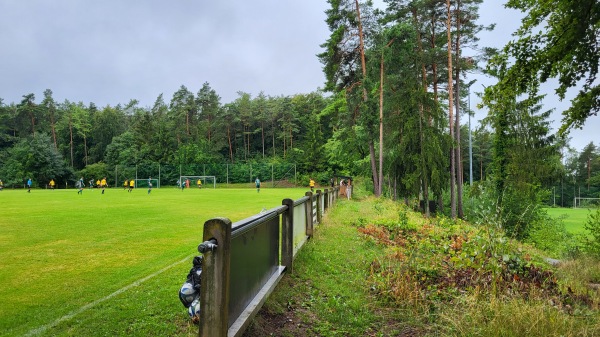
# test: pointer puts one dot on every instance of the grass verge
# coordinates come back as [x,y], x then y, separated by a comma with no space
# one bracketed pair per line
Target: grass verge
[375,268]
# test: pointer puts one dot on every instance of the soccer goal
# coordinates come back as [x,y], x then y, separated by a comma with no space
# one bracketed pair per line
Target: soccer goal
[207,181]
[143,183]
[580,202]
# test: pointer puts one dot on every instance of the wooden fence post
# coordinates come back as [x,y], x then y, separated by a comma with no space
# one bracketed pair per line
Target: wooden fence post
[214,291]
[319,210]
[287,235]
[309,214]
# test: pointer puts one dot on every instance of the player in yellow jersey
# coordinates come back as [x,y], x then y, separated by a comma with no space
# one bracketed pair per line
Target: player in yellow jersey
[103,184]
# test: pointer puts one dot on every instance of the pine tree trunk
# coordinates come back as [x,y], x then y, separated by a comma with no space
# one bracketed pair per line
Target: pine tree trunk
[363,63]
[434,72]
[424,173]
[451,117]
[374,174]
[459,166]
[379,190]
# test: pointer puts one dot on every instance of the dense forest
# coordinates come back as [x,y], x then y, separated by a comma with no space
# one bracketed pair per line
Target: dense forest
[393,110]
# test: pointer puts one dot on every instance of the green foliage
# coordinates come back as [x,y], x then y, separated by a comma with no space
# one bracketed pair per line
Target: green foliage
[122,151]
[445,262]
[107,123]
[520,209]
[433,277]
[96,171]
[188,130]
[525,157]
[558,41]
[35,158]
[550,235]
[516,211]
[592,240]
[12,171]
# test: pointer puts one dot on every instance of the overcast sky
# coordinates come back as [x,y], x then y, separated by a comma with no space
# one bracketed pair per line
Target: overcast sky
[111,51]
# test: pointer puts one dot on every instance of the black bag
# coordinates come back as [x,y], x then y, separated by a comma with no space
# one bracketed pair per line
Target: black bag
[195,275]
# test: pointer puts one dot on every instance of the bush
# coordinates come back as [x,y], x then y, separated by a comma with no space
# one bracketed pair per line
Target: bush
[591,242]
[35,158]
[550,235]
[95,171]
[516,211]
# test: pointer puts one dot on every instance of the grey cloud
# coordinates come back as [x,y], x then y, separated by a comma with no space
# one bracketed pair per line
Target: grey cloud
[111,51]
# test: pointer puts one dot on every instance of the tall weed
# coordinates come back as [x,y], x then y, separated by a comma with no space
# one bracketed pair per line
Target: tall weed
[532,317]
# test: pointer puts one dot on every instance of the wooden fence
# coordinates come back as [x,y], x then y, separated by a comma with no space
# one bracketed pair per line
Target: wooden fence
[244,261]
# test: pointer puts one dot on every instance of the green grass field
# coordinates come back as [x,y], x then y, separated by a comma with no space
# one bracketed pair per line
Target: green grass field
[112,264]
[574,218]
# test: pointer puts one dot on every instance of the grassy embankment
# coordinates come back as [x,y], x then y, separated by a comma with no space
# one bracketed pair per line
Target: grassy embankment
[375,268]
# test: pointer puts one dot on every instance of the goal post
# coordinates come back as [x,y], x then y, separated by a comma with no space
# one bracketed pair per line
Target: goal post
[143,183]
[207,181]
[580,202]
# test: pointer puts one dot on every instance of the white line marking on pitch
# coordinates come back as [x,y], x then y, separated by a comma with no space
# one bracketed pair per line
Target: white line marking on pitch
[68,316]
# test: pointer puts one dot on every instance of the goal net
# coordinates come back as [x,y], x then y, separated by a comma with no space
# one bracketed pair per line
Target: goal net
[206,181]
[143,183]
[580,202]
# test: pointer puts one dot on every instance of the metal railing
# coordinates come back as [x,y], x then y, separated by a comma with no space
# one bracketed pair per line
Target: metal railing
[244,261]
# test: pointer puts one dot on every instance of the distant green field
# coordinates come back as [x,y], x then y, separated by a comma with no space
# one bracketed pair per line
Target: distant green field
[574,218]
[112,264]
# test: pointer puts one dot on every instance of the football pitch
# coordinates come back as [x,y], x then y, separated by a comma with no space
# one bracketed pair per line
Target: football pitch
[573,218]
[108,264]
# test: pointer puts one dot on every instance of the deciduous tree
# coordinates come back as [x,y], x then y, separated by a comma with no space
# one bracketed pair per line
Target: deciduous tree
[557,40]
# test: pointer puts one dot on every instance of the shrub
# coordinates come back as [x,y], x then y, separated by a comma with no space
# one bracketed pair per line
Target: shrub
[515,211]
[95,171]
[591,241]
[550,235]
